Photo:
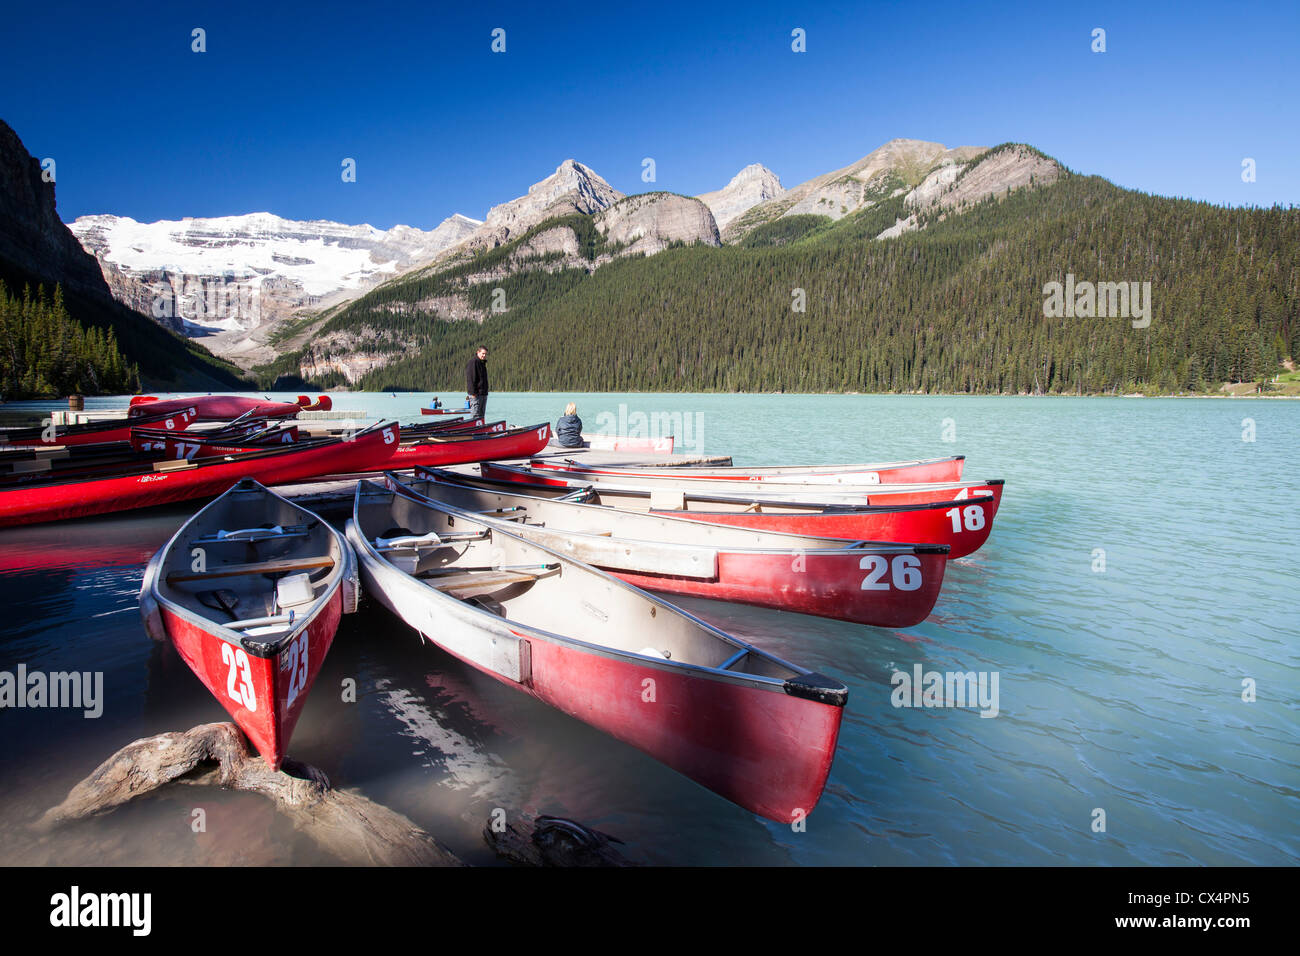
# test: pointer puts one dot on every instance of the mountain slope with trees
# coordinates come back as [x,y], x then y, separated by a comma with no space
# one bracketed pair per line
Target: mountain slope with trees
[957,305]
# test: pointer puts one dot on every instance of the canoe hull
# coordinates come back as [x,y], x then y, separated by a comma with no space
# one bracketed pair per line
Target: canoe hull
[97,433]
[880,584]
[878,590]
[927,524]
[457,449]
[261,677]
[264,696]
[760,746]
[668,484]
[224,408]
[779,776]
[960,521]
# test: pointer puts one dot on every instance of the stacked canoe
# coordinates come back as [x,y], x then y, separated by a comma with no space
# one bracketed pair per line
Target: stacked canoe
[182,449]
[551,575]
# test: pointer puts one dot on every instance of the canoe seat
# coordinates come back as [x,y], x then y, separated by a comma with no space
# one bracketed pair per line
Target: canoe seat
[183,464]
[469,583]
[295,592]
[256,567]
[668,499]
[505,514]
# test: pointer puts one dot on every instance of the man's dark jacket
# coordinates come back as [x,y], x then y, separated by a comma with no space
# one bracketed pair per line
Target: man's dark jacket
[476,380]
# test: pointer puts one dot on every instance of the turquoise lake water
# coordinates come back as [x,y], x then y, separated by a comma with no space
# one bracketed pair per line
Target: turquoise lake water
[1140,581]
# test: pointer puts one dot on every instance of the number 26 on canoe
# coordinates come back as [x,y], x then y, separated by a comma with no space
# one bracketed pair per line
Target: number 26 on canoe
[906,572]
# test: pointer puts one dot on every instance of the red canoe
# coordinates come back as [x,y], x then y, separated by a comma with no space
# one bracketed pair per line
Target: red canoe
[196,444]
[667,488]
[654,446]
[815,476]
[473,427]
[751,727]
[436,450]
[877,583]
[139,486]
[91,433]
[223,408]
[256,620]
[964,528]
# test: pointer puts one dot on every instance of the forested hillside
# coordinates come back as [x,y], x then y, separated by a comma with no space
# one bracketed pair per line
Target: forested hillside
[957,306]
[44,351]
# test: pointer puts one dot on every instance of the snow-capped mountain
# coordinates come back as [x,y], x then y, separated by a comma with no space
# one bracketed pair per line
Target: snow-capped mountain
[237,273]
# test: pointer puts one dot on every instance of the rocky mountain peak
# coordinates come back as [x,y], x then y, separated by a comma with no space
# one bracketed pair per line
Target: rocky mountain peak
[749,187]
[573,187]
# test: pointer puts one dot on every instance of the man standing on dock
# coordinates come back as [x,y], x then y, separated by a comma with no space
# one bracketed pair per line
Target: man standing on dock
[476,384]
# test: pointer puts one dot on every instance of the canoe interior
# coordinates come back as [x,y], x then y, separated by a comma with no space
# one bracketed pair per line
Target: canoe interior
[572,600]
[251,595]
[604,520]
[635,499]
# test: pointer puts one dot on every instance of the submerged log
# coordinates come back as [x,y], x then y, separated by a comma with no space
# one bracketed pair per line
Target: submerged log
[349,826]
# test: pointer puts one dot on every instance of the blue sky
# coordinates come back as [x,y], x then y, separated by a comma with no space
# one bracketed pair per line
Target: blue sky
[141,126]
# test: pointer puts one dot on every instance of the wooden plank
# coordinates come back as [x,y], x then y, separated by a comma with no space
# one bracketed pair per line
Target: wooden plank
[179,465]
[257,567]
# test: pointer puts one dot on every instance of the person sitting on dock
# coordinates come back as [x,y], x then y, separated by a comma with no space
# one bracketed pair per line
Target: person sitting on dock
[568,430]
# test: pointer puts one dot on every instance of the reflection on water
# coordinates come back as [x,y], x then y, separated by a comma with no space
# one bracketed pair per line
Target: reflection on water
[1120,689]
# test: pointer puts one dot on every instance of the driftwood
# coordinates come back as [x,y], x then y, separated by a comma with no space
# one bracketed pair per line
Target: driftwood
[349,826]
[553,841]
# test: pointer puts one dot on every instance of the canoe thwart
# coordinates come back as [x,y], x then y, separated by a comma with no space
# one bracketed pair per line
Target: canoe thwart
[254,535]
[256,567]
